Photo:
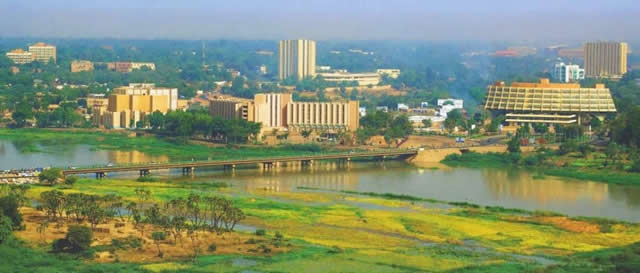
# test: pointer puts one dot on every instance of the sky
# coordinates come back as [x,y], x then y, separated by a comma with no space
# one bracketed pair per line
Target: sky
[439,20]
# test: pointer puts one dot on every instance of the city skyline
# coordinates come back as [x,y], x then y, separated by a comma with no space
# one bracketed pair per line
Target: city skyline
[321,20]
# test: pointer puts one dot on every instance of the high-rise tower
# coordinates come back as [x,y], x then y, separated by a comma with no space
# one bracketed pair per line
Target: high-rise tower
[297,59]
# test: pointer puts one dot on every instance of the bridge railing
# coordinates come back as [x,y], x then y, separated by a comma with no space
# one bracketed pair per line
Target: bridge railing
[208,160]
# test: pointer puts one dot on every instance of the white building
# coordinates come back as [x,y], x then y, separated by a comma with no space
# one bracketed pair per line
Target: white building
[391,73]
[567,72]
[403,107]
[448,105]
[362,111]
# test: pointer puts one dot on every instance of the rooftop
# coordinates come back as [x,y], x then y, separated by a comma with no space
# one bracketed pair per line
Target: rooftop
[41,44]
[544,83]
[18,51]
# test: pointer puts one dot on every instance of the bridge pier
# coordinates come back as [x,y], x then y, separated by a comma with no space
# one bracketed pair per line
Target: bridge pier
[144,172]
[188,170]
[230,166]
[267,165]
[381,158]
[306,162]
[100,175]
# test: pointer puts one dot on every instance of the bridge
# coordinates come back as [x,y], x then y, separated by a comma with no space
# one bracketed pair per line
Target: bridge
[189,167]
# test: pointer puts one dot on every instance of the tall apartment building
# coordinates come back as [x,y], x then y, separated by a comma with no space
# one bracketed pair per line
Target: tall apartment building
[567,72]
[43,52]
[81,65]
[19,56]
[297,58]
[605,59]
[548,103]
[280,111]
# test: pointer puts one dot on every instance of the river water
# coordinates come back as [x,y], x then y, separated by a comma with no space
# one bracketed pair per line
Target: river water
[510,188]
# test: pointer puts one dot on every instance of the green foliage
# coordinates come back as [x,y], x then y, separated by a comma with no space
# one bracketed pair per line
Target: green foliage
[50,176]
[130,242]
[10,207]
[513,146]
[6,228]
[261,232]
[625,129]
[77,239]
[381,123]
[70,180]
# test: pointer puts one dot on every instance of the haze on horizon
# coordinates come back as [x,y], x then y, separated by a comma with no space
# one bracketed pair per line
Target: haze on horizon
[497,20]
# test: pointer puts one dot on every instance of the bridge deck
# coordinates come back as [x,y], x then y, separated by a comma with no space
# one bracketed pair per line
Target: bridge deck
[195,164]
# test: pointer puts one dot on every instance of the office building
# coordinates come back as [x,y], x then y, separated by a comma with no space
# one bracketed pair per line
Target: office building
[548,103]
[567,72]
[605,59]
[363,79]
[19,56]
[391,73]
[81,66]
[297,58]
[129,104]
[126,67]
[42,52]
[279,111]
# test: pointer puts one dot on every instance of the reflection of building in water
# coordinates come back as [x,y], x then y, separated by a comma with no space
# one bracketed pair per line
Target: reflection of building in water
[322,175]
[521,185]
[134,157]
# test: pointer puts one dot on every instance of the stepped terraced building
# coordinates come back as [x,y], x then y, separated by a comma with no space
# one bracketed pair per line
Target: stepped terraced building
[548,103]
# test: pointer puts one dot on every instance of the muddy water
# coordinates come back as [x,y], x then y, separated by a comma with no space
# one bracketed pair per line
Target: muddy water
[509,188]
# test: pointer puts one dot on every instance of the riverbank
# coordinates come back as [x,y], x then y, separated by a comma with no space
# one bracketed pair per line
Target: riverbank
[40,140]
[545,163]
[354,231]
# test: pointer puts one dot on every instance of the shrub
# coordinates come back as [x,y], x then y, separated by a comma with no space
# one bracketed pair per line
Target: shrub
[212,248]
[146,178]
[127,242]
[261,232]
[279,235]
[50,176]
[70,180]
[635,166]
[78,239]
[5,228]
[9,206]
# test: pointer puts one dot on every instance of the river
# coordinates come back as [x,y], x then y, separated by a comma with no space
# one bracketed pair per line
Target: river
[510,188]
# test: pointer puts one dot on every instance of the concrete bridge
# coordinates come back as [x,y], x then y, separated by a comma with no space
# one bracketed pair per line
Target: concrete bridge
[189,167]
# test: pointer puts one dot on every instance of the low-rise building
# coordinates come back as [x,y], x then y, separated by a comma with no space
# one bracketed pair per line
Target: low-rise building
[363,79]
[391,73]
[19,56]
[81,66]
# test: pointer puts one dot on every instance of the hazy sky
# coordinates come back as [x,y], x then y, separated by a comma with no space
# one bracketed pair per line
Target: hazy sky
[321,20]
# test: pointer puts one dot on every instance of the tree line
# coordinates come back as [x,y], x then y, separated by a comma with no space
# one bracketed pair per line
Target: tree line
[200,124]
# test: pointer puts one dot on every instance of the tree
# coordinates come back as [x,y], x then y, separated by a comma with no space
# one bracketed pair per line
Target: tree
[158,236]
[10,207]
[50,176]
[427,123]
[513,146]
[77,239]
[70,180]
[5,228]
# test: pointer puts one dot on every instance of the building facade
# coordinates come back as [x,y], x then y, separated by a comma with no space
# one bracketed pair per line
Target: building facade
[43,52]
[279,111]
[129,104]
[81,66]
[605,59]
[567,72]
[391,73]
[297,58]
[548,103]
[19,56]
[363,79]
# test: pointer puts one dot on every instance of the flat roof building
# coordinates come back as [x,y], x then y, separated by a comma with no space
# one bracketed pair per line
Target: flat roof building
[363,79]
[605,59]
[19,56]
[297,58]
[43,52]
[545,102]
[81,66]
[567,73]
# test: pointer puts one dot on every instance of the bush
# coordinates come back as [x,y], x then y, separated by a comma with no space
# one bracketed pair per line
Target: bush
[5,228]
[261,232]
[70,180]
[146,178]
[635,166]
[127,243]
[212,248]
[279,235]
[9,206]
[78,239]
[50,176]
